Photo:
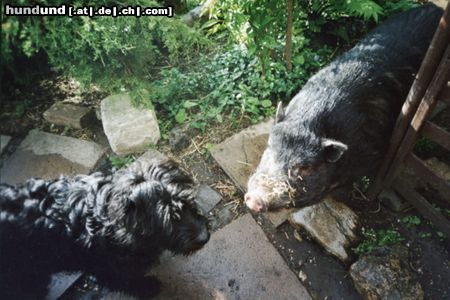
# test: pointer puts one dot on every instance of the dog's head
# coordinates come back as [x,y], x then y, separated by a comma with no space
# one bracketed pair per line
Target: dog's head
[156,204]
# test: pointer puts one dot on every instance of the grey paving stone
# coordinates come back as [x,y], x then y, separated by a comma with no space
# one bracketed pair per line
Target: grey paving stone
[66,114]
[331,223]
[237,263]
[4,141]
[207,198]
[48,156]
[240,154]
[279,216]
[129,129]
[149,157]
[60,282]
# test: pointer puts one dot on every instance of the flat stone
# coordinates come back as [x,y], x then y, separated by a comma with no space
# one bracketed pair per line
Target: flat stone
[393,201]
[48,156]
[240,154]
[149,157]
[330,223]
[60,282]
[207,198]
[4,141]
[279,216]
[129,129]
[237,263]
[71,115]
[223,217]
[385,274]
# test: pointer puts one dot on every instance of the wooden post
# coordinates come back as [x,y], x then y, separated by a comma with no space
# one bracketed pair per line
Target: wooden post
[439,43]
[425,108]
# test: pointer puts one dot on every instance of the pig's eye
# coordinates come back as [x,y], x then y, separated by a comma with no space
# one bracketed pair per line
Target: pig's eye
[300,171]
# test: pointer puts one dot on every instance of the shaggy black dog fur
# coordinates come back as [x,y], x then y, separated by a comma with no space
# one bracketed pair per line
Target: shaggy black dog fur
[111,226]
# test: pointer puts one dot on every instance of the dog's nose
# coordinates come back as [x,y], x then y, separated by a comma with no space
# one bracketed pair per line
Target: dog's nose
[203,237]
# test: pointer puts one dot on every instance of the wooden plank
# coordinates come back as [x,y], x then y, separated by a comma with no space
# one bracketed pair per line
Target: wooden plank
[427,175]
[439,43]
[425,108]
[423,206]
[437,134]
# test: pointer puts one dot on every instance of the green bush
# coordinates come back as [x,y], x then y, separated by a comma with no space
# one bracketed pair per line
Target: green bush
[377,238]
[230,84]
[114,53]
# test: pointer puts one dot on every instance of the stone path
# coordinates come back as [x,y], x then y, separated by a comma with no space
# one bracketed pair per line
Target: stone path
[48,156]
[237,263]
[239,155]
[129,129]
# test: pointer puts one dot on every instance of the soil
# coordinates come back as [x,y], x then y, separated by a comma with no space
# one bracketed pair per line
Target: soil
[324,276]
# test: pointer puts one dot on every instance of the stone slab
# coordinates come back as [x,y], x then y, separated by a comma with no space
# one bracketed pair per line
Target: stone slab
[207,198]
[48,156]
[65,114]
[4,141]
[149,157]
[330,223]
[129,129]
[60,282]
[385,274]
[240,154]
[239,157]
[279,216]
[237,263]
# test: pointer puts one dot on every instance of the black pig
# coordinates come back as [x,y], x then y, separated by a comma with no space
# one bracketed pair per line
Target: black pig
[337,128]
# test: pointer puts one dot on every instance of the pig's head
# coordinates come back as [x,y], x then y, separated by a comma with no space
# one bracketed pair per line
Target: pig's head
[298,168]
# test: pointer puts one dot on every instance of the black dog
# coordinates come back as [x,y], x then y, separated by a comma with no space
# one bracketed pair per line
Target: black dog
[113,227]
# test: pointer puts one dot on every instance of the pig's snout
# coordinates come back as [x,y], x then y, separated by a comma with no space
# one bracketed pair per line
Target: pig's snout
[255,203]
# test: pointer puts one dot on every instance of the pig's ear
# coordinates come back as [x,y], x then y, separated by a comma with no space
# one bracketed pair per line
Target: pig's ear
[279,116]
[333,149]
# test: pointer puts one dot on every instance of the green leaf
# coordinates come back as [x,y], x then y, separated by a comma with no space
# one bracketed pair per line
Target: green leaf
[299,60]
[189,104]
[266,103]
[181,116]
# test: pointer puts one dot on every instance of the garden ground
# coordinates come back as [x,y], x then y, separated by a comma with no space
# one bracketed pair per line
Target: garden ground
[282,247]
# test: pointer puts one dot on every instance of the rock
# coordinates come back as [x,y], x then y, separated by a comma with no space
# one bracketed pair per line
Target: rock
[207,198]
[180,137]
[240,154]
[222,218]
[71,115]
[385,274]
[330,223]
[59,283]
[393,201]
[48,156]
[149,157]
[279,216]
[237,263]
[440,168]
[4,141]
[129,129]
